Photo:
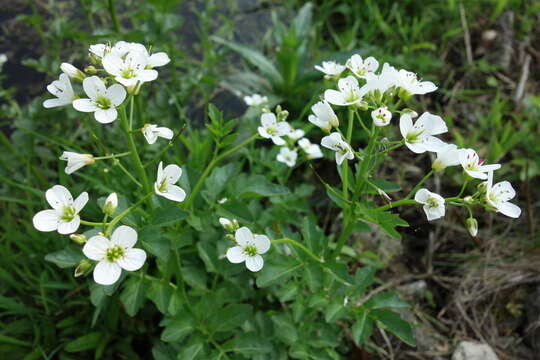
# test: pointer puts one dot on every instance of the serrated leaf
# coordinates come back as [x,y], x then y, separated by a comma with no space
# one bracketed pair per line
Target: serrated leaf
[133,295]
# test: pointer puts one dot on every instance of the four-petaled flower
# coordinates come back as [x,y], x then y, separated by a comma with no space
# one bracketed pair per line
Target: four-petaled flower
[330,68]
[324,117]
[130,69]
[381,116]
[64,215]
[76,161]
[335,142]
[102,100]
[433,203]
[249,248]
[409,82]
[166,178]
[419,137]
[473,165]
[348,93]
[63,91]
[448,155]
[151,132]
[287,156]
[255,100]
[362,67]
[313,151]
[114,255]
[272,129]
[499,196]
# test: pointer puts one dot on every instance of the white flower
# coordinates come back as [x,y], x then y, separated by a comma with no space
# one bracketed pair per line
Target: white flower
[151,132]
[348,94]
[129,70]
[272,129]
[102,101]
[287,156]
[473,166]
[255,100]
[448,155]
[419,137]
[222,200]
[122,48]
[433,203]
[72,71]
[388,78]
[499,196]
[63,91]
[248,248]
[114,255]
[313,151]
[99,50]
[229,225]
[64,215]
[111,203]
[330,68]
[335,142]
[324,117]
[296,134]
[410,83]
[3,60]
[166,178]
[76,161]
[361,67]
[381,116]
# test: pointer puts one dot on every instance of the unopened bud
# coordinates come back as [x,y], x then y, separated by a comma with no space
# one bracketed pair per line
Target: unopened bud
[362,105]
[230,226]
[231,237]
[110,205]
[72,71]
[90,70]
[82,268]
[472,226]
[78,238]
[468,199]
[482,187]
[410,112]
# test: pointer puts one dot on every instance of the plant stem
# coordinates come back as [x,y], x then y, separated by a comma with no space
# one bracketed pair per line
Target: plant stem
[114,19]
[345,169]
[462,188]
[126,212]
[413,191]
[180,279]
[131,177]
[112,156]
[298,245]
[90,223]
[397,203]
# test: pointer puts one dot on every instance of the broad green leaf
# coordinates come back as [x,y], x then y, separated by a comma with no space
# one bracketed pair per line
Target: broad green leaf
[248,344]
[68,257]
[385,300]
[208,254]
[334,311]
[386,220]
[167,215]
[285,329]
[85,342]
[177,329]
[363,278]
[192,351]
[258,185]
[217,180]
[313,235]
[392,321]
[133,295]
[362,328]
[160,293]
[230,317]
[340,272]
[272,273]
[154,242]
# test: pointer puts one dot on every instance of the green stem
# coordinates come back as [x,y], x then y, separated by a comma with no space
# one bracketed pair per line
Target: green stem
[397,203]
[90,223]
[114,19]
[413,191]
[462,188]
[345,170]
[126,212]
[112,156]
[126,171]
[180,279]
[298,245]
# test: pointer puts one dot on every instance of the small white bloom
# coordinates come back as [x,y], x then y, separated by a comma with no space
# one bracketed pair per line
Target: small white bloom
[229,225]
[166,178]
[420,137]
[335,142]
[272,129]
[313,151]
[72,71]
[222,200]
[381,116]
[388,78]
[102,100]
[296,134]
[99,50]
[361,67]
[76,161]
[151,132]
[348,93]
[499,196]
[129,70]
[324,117]
[111,203]
[249,248]
[255,100]
[114,255]
[473,166]
[63,91]
[64,215]
[448,155]
[330,68]
[287,156]
[410,83]
[433,204]
[3,60]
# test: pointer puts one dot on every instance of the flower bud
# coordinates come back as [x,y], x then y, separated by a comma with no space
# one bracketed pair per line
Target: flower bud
[110,205]
[230,226]
[468,199]
[381,116]
[413,114]
[472,226]
[72,71]
[362,105]
[78,238]
[231,237]
[82,268]
[90,70]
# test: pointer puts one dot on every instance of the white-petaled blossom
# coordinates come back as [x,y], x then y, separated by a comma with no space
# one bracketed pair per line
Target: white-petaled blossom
[296,134]
[420,137]
[249,248]
[3,60]
[330,68]
[324,117]
[381,116]
[229,225]
[409,82]
[114,255]
[433,203]
[287,156]
[472,164]
[255,100]
[76,161]
[335,142]
[102,101]
[362,67]
[313,151]
[63,91]
[130,69]
[348,93]
[272,129]
[448,155]
[151,132]
[388,78]
[122,48]
[110,204]
[499,196]
[64,215]
[166,178]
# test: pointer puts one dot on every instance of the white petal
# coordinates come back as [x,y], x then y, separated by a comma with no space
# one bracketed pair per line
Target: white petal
[243,236]
[58,197]
[133,259]
[236,255]
[278,141]
[124,236]
[172,172]
[417,148]
[113,64]
[174,193]
[422,195]
[165,133]
[69,227]
[262,243]
[509,209]
[476,174]
[254,263]
[268,120]
[106,116]
[159,59]
[85,105]
[80,201]
[431,143]
[160,172]
[334,97]
[107,273]
[46,220]
[147,75]
[116,93]
[405,124]
[96,247]
[93,87]
[51,103]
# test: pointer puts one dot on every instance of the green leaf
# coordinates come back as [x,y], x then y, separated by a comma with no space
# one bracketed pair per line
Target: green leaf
[285,329]
[302,21]
[191,352]
[177,329]
[248,344]
[85,342]
[385,300]
[313,235]
[362,328]
[167,215]
[258,185]
[133,295]
[386,220]
[68,257]
[363,278]
[154,242]
[273,273]
[334,311]
[230,317]
[208,254]
[217,180]
[340,272]
[160,294]
[392,321]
